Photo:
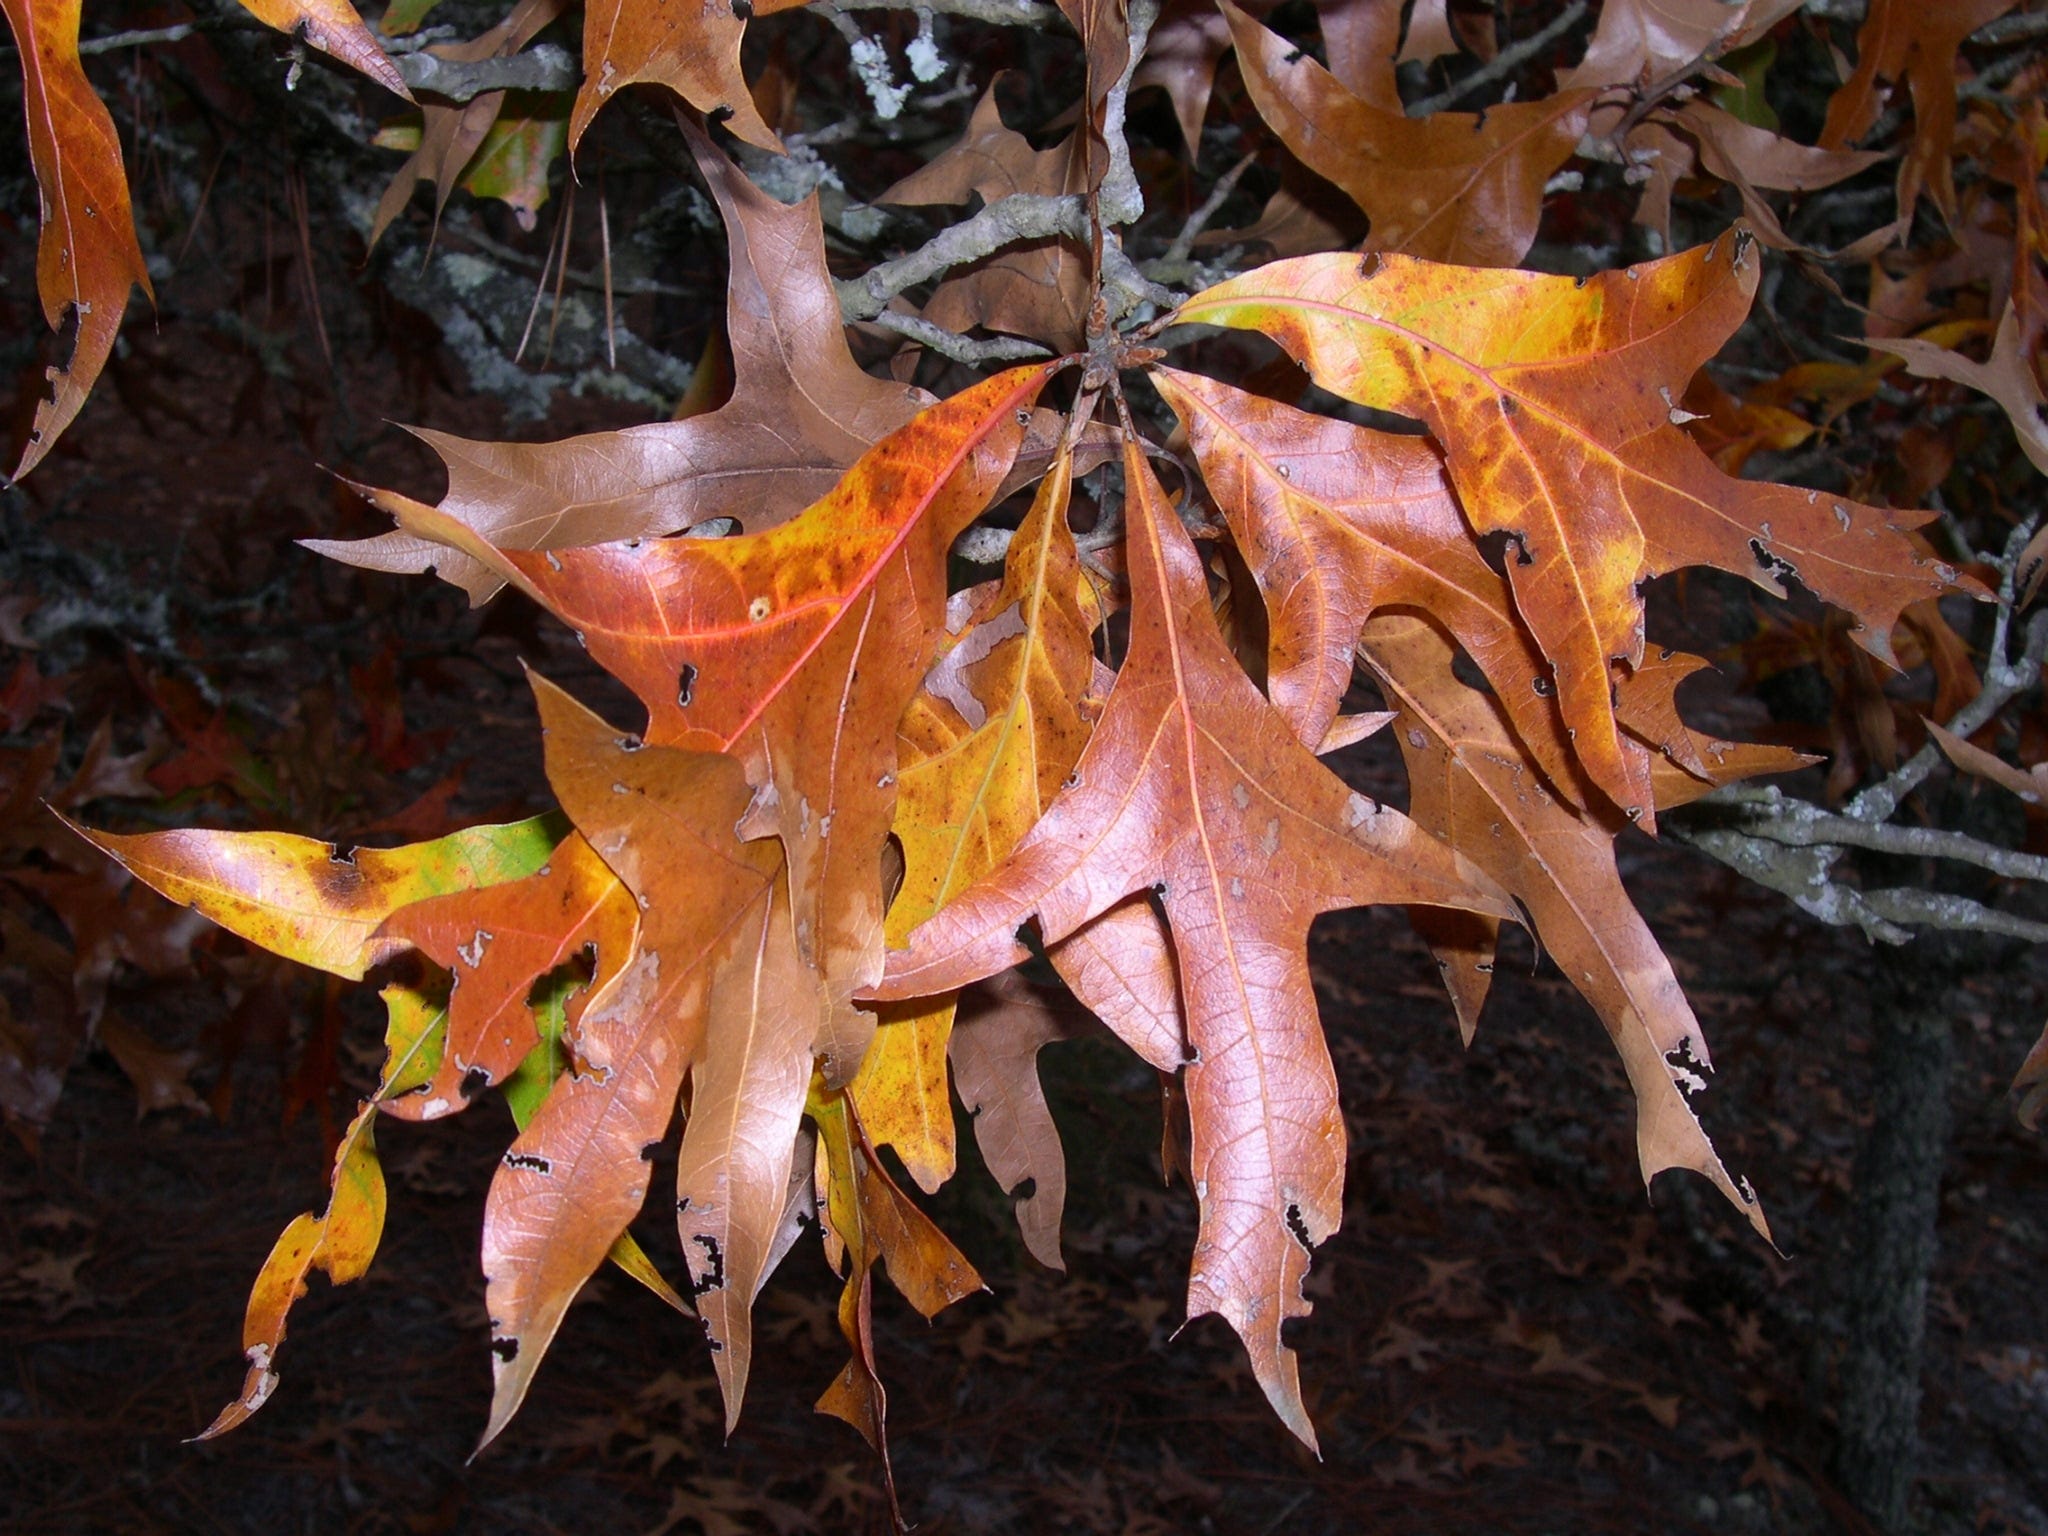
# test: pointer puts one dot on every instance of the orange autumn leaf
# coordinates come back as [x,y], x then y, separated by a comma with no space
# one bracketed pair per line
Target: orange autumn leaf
[694,51]
[315,902]
[87,258]
[333,27]
[1193,785]
[980,764]
[797,650]
[496,943]
[1453,186]
[664,821]
[1556,402]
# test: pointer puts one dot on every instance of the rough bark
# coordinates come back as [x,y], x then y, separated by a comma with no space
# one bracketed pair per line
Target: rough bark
[1893,1239]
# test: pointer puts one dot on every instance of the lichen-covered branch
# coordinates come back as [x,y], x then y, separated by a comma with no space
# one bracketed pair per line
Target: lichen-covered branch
[544,68]
[1024,216]
[961,349]
[1120,200]
[997,13]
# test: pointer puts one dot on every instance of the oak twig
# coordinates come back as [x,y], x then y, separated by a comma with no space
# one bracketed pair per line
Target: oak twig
[1503,64]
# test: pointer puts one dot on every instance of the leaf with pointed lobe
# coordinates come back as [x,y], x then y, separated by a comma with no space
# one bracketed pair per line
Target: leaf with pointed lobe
[1909,41]
[342,1240]
[1689,763]
[1336,521]
[1362,40]
[2030,783]
[1193,784]
[1555,402]
[1186,44]
[1191,37]
[2007,377]
[746,1102]
[976,773]
[1673,145]
[664,820]
[1003,1025]
[335,28]
[1429,36]
[496,943]
[1638,42]
[694,50]
[1120,966]
[1469,783]
[311,901]
[450,136]
[871,1220]
[800,412]
[1449,187]
[86,258]
[797,650]
[528,1087]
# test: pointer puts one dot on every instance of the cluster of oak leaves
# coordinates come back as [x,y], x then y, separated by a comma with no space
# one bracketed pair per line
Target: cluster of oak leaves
[819,888]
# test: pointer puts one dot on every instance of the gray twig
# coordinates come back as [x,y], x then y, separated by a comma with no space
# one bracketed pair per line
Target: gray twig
[545,68]
[1122,201]
[1023,216]
[961,349]
[1503,64]
[2002,683]
[997,13]
[1184,243]
[1767,812]
[1791,846]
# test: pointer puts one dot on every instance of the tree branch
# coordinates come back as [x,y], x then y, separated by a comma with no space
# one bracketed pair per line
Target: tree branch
[1766,811]
[2002,683]
[545,68]
[961,349]
[1022,216]
[1503,64]
[1121,199]
[997,13]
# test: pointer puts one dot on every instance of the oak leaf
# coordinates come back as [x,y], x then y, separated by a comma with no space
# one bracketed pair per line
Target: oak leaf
[1468,783]
[1337,520]
[694,51]
[1642,43]
[796,649]
[314,902]
[1450,187]
[1916,43]
[1555,400]
[2007,376]
[664,821]
[801,411]
[747,1093]
[869,1220]
[342,1240]
[496,943]
[333,27]
[994,1046]
[87,258]
[978,766]
[1193,785]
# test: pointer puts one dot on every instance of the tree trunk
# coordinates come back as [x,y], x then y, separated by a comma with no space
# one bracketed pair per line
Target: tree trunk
[1892,1238]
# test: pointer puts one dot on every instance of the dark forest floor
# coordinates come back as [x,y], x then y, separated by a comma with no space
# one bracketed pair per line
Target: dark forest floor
[1508,1336]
